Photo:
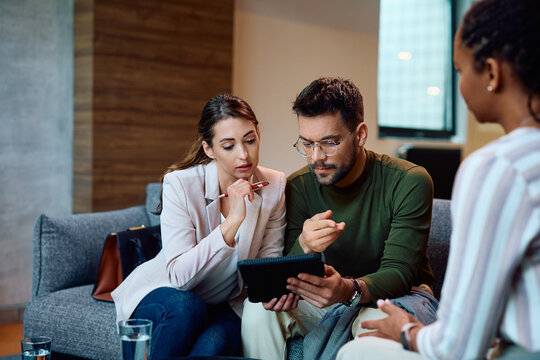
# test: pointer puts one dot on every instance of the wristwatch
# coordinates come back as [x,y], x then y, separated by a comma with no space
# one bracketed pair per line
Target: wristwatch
[357,295]
[406,336]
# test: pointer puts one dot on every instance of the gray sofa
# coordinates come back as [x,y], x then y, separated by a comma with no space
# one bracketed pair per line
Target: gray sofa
[66,255]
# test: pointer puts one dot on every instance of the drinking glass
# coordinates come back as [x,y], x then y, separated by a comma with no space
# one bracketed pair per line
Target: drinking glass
[36,348]
[135,335]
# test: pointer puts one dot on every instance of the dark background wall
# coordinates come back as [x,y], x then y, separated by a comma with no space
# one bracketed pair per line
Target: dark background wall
[36,131]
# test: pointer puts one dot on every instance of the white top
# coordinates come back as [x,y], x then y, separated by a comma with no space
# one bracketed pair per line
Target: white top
[492,283]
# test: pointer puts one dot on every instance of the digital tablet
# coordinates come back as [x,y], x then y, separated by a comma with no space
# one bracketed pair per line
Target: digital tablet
[266,278]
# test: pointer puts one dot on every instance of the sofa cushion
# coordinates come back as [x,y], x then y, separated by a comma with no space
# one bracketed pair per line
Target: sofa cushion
[78,324]
[67,249]
[153,195]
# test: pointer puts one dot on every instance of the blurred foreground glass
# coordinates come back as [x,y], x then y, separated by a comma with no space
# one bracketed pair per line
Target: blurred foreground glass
[36,348]
[135,335]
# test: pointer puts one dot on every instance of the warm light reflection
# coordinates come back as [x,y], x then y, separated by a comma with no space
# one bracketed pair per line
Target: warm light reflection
[433,90]
[404,55]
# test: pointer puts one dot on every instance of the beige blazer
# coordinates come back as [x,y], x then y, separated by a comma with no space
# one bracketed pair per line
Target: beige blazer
[191,236]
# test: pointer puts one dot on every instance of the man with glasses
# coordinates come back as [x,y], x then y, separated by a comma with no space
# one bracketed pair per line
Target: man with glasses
[368,213]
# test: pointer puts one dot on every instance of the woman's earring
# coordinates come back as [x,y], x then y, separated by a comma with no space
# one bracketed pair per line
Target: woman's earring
[490,88]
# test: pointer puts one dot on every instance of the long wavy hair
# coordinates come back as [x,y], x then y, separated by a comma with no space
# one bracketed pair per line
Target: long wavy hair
[220,107]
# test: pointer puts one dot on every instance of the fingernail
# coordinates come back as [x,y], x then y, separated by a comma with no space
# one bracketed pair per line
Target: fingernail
[380,302]
[387,301]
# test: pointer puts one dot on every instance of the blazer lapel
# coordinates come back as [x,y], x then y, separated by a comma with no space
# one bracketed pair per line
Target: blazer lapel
[211,194]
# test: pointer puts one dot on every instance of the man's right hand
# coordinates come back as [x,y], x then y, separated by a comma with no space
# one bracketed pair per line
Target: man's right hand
[319,232]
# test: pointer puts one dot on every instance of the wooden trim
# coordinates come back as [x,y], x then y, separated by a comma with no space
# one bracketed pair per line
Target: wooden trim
[83,39]
[153,66]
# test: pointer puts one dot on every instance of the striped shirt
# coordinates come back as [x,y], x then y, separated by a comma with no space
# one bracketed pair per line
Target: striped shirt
[492,283]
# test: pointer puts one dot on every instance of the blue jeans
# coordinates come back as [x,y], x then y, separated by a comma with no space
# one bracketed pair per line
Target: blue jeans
[183,324]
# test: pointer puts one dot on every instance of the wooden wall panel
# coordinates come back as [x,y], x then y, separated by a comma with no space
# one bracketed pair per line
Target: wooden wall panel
[155,65]
[83,36]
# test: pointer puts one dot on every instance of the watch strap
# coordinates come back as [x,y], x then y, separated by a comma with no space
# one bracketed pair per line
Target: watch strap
[406,336]
[357,295]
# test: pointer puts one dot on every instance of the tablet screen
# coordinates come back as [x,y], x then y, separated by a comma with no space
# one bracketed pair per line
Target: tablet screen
[266,278]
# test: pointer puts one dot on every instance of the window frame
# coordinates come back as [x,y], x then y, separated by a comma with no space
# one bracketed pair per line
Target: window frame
[444,134]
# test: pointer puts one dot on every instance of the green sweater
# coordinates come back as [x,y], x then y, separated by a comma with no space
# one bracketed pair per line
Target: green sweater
[387,215]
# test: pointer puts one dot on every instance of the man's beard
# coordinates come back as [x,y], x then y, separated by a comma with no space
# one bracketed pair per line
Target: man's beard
[340,173]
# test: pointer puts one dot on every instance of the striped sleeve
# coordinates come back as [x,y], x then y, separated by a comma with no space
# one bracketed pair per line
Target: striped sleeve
[492,212]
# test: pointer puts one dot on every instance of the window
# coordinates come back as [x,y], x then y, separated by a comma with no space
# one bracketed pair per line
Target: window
[415,74]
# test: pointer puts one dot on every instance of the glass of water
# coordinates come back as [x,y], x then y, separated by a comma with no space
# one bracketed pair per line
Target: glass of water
[135,335]
[36,348]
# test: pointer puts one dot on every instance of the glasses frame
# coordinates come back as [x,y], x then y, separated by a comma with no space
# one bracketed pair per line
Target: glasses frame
[318,143]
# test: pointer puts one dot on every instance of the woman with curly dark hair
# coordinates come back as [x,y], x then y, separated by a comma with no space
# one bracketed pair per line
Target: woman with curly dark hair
[492,285]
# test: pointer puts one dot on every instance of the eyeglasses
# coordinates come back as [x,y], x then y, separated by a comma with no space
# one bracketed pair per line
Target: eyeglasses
[327,147]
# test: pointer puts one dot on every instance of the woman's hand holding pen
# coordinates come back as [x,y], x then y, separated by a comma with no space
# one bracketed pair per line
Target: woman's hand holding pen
[236,193]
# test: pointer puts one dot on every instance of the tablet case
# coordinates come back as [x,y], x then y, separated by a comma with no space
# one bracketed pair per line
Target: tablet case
[266,278]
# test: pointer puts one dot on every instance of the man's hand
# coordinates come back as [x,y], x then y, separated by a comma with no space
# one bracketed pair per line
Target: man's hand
[285,303]
[322,291]
[389,327]
[319,232]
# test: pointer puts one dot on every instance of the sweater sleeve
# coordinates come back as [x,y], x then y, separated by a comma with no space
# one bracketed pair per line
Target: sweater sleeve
[406,244]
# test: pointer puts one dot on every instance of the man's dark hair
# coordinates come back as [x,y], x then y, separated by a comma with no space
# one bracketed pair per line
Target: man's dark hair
[330,95]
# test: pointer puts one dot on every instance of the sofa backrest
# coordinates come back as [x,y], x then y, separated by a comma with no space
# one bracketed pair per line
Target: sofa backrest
[67,249]
[153,192]
[439,242]
[439,236]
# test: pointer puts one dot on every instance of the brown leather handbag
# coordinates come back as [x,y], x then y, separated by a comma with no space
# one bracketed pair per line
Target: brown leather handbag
[122,253]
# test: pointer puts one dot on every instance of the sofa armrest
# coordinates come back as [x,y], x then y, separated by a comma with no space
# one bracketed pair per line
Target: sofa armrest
[67,249]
